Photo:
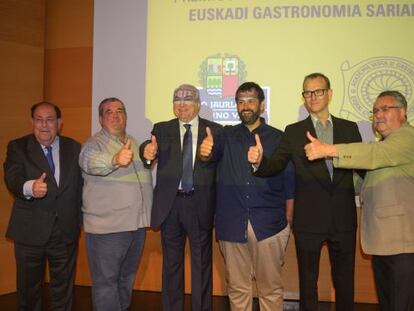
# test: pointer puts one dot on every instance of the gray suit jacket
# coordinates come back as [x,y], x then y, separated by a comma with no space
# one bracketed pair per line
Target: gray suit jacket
[387,221]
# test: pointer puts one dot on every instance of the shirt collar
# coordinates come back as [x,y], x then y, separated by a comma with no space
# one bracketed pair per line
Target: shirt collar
[315,119]
[54,143]
[194,122]
[257,129]
[113,137]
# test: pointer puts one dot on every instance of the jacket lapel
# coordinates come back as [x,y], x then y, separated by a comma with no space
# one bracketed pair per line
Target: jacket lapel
[64,162]
[200,137]
[318,168]
[175,145]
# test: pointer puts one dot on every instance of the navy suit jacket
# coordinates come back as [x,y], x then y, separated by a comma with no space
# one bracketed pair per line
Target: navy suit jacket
[169,171]
[322,205]
[32,220]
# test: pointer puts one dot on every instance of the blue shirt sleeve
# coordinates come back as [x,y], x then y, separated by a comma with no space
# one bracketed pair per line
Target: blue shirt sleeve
[289,181]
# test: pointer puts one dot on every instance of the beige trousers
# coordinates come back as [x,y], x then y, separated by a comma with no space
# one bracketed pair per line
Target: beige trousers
[261,261]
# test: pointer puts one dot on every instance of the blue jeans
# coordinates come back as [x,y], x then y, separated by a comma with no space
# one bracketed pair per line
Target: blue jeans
[113,262]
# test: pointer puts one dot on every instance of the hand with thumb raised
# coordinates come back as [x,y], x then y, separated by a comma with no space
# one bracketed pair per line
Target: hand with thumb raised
[39,188]
[310,137]
[151,149]
[206,146]
[255,153]
[128,144]
[315,149]
[124,156]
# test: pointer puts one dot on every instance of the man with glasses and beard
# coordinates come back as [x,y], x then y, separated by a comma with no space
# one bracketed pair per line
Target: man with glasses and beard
[252,213]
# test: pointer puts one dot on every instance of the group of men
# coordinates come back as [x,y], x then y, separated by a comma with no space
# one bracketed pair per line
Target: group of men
[251,181]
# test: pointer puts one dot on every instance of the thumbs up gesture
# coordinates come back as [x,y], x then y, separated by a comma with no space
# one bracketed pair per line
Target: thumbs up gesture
[39,188]
[151,149]
[124,156]
[317,150]
[206,146]
[255,153]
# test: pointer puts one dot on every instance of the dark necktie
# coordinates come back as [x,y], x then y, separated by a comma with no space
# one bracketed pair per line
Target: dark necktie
[49,158]
[187,177]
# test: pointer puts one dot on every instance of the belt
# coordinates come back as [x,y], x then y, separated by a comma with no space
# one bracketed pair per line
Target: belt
[182,193]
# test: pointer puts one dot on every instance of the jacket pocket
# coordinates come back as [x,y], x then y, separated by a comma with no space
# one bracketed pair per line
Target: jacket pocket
[389,211]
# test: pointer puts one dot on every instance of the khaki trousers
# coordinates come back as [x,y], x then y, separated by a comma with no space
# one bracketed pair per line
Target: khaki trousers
[261,261]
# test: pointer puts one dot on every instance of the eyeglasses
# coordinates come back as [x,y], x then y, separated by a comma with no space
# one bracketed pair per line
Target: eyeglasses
[48,121]
[383,109]
[317,93]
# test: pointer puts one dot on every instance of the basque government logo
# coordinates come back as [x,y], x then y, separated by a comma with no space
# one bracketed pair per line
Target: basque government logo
[365,80]
[219,77]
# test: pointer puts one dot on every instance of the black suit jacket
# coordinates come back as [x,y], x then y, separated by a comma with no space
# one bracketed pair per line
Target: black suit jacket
[169,171]
[321,204]
[32,219]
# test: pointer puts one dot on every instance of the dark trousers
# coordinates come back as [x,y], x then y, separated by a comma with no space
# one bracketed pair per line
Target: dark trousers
[394,279]
[31,263]
[341,247]
[113,261]
[182,222]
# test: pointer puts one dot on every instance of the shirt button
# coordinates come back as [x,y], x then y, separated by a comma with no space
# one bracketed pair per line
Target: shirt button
[247,196]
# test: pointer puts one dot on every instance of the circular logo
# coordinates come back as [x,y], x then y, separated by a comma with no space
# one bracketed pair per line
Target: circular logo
[375,75]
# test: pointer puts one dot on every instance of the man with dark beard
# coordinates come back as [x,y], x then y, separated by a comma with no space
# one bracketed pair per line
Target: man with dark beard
[251,223]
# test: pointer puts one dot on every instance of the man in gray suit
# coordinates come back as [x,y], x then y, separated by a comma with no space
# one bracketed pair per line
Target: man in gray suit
[387,221]
[117,198]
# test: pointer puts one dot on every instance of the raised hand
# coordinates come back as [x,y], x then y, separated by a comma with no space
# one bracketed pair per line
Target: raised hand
[206,146]
[255,153]
[315,149]
[151,149]
[39,188]
[124,156]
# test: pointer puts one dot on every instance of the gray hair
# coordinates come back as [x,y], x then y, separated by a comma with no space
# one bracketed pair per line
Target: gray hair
[398,97]
[190,88]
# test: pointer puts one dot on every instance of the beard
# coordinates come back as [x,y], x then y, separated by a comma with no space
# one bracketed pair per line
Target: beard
[250,118]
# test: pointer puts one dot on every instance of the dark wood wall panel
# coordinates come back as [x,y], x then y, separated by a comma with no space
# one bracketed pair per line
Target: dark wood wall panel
[21,84]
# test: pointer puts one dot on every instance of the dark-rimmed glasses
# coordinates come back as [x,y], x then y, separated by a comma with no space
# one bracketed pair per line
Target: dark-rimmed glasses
[317,93]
